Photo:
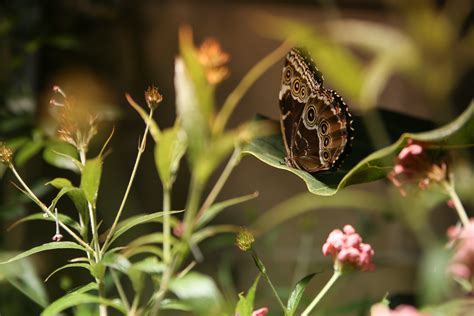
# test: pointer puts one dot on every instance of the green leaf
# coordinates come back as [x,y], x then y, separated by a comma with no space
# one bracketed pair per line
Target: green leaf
[363,166]
[23,276]
[210,231]
[75,299]
[157,251]
[218,207]
[133,221]
[150,265]
[137,278]
[168,153]
[40,216]
[27,151]
[173,304]
[67,266]
[245,305]
[46,247]
[60,183]
[206,301]
[61,155]
[297,294]
[147,239]
[90,179]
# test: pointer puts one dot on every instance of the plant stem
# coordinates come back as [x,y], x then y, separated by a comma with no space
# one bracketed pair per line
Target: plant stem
[141,149]
[233,161]
[449,187]
[166,224]
[233,99]
[335,276]
[47,211]
[120,290]
[263,270]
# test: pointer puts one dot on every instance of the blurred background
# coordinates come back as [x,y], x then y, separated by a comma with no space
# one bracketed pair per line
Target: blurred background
[98,50]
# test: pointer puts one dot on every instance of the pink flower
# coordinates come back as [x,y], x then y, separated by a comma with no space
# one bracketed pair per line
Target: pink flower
[401,310]
[414,165]
[462,241]
[260,312]
[347,248]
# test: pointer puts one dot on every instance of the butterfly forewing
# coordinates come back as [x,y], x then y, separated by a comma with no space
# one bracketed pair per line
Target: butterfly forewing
[315,122]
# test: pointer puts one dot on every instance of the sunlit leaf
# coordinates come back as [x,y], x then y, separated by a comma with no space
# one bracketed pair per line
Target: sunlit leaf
[76,299]
[61,155]
[297,294]
[90,179]
[46,247]
[60,183]
[245,305]
[168,153]
[206,301]
[218,207]
[363,166]
[150,265]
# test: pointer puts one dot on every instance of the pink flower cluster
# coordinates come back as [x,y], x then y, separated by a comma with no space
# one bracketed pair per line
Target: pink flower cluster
[414,165]
[462,262]
[401,310]
[346,246]
[260,312]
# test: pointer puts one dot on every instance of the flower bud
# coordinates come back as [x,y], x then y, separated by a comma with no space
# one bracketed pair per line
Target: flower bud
[244,239]
[153,97]
[6,154]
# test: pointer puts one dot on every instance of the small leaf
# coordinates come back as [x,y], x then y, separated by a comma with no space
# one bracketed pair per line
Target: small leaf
[297,293]
[76,299]
[168,153]
[40,216]
[218,207]
[67,266]
[60,183]
[133,221]
[206,301]
[46,247]
[245,305]
[90,179]
[61,155]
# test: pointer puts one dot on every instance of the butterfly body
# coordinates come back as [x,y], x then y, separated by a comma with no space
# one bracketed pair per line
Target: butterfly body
[315,122]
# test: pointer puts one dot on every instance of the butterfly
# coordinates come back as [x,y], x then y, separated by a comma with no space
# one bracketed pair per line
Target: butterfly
[316,124]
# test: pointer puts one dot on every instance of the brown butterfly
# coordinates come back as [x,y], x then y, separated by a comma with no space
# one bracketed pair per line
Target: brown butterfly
[315,122]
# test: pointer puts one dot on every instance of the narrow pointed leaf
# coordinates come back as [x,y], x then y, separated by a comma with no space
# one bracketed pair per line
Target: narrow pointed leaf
[168,153]
[77,299]
[245,304]
[67,266]
[90,179]
[46,247]
[297,294]
[40,216]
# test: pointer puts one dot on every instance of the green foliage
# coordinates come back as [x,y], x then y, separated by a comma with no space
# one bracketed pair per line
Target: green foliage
[245,305]
[61,155]
[90,179]
[45,247]
[297,294]
[168,153]
[77,299]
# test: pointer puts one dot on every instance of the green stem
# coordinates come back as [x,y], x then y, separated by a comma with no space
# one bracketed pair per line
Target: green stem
[233,99]
[192,208]
[141,149]
[166,224]
[449,187]
[332,280]
[120,290]
[47,211]
[233,161]
[263,270]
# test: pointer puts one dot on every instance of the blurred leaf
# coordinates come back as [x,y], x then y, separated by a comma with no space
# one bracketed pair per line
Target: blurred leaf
[157,251]
[210,231]
[46,247]
[297,294]
[218,207]
[173,304]
[154,129]
[205,301]
[23,276]
[60,183]
[435,283]
[458,307]
[67,266]
[245,305]
[61,155]
[92,286]
[75,299]
[63,41]
[90,179]
[133,221]
[27,151]
[168,153]
[150,265]
[116,261]
[305,202]
[137,278]
[454,135]
[40,216]
[146,239]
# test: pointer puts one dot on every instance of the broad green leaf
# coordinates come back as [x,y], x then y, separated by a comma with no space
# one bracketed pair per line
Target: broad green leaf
[23,276]
[133,221]
[60,183]
[363,164]
[90,179]
[67,266]
[46,247]
[61,155]
[206,301]
[168,153]
[306,202]
[297,294]
[76,299]
[40,216]
[245,304]
[218,207]
[150,265]
[173,304]
[154,129]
